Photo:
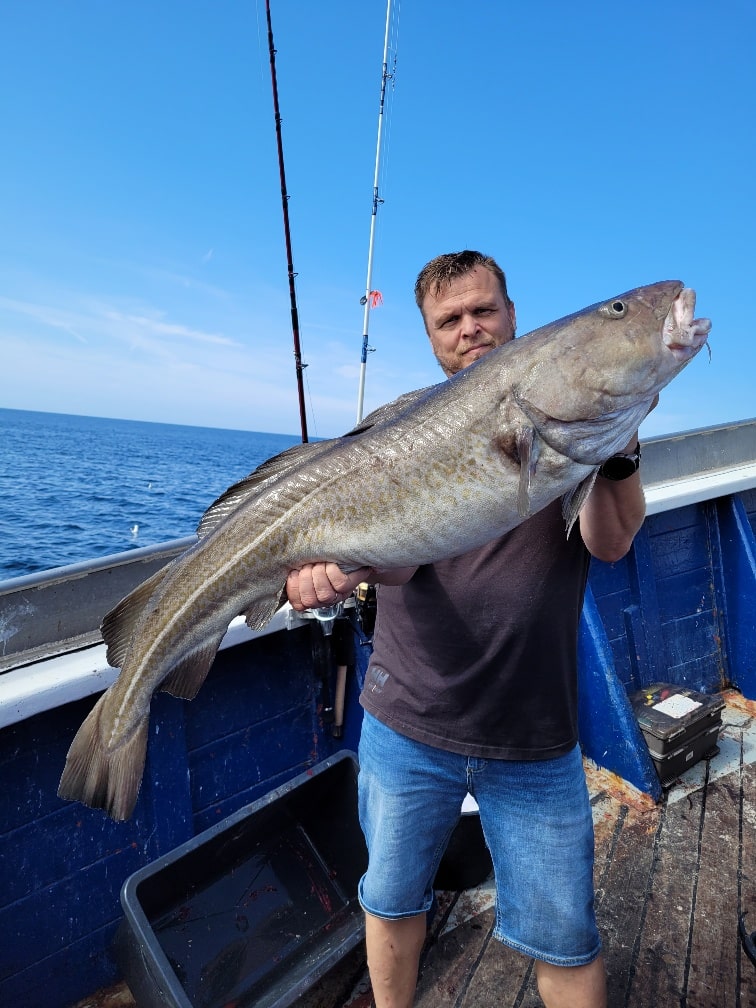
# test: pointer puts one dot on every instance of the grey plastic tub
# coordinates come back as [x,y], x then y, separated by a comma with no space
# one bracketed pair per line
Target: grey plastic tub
[254,910]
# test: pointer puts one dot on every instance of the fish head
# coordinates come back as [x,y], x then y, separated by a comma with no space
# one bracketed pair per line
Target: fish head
[612,360]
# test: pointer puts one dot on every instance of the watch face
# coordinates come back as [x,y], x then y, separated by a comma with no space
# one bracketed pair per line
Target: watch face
[619,467]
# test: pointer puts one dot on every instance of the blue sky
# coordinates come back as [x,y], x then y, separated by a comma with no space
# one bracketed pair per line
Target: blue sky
[590,147]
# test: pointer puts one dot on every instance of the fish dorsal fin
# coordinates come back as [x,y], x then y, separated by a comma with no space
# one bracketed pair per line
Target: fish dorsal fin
[275,468]
[268,472]
[187,676]
[573,501]
[527,449]
[390,411]
[119,623]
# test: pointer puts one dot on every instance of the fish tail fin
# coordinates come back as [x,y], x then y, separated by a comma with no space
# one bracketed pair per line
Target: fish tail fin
[103,779]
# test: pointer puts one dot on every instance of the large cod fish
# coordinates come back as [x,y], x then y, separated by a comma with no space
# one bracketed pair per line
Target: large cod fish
[432,475]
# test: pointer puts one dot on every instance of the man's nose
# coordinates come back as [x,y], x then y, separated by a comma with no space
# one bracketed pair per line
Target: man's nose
[468,324]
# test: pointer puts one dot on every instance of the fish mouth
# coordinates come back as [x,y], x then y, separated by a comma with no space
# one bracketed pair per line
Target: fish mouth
[682,334]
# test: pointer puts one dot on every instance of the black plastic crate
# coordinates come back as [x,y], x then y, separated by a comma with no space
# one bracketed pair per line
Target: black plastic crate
[254,910]
[701,746]
[680,725]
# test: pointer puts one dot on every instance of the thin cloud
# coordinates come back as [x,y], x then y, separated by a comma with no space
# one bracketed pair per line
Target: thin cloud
[173,329]
[53,318]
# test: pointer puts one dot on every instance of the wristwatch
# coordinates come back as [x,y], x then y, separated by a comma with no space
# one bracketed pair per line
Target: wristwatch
[619,467]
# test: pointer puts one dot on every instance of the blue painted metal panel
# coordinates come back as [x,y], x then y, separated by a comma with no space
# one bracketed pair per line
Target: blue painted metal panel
[684,561]
[254,725]
[609,733]
[738,531]
[748,500]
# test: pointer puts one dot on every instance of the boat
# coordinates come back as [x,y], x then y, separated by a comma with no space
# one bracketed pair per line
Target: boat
[675,857]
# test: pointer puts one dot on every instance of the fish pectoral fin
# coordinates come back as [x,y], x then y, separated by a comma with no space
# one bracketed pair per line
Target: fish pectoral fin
[118,625]
[261,612]
[573,501]
[527,450]
[102,778]
[188,674]
[586,440]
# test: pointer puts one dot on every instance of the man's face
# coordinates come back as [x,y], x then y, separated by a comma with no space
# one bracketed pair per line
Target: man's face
[467,318]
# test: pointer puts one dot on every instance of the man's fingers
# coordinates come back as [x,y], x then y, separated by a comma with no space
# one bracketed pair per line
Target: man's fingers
[344,584]
[322,584]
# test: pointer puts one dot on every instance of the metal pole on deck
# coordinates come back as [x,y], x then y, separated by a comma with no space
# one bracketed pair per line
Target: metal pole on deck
[287,234]
[385,76]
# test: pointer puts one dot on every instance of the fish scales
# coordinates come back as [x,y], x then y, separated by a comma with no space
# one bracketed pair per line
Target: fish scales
[434,474]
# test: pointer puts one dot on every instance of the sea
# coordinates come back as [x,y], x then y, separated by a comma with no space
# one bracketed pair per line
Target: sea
[77,488]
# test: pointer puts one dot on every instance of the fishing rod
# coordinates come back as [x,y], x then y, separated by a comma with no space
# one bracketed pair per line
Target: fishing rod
[299,366]
[370,297]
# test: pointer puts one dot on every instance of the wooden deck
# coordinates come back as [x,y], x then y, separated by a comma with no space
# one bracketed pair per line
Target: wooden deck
[671,881]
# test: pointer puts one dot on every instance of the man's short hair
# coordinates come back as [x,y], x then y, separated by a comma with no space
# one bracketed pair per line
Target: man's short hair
[440,272]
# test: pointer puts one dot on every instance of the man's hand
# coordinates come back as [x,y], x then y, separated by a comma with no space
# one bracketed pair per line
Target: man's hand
[322,584]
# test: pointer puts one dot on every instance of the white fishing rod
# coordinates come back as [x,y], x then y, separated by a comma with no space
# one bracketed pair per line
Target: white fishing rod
[368,296]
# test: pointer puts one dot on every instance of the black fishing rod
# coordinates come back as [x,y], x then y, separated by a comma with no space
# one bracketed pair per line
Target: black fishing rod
[287,233]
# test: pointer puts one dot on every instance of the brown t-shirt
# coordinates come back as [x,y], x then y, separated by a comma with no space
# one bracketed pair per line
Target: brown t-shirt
[478,654]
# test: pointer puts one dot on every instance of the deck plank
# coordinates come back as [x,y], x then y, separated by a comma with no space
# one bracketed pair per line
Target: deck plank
[504,977]
[747,898]
[621,900]
[658,973]
[713,949]
[451,960]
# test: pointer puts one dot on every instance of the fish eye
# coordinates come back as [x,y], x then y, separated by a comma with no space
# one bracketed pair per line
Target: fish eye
[615,309]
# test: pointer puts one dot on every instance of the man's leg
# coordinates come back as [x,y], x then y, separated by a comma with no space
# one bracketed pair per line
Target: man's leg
[393,953]
[572,986]
[410,797]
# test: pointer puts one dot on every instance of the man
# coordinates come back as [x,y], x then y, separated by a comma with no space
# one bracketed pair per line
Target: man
[472,687]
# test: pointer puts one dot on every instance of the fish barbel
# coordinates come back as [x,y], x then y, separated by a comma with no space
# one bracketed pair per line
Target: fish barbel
[434,474]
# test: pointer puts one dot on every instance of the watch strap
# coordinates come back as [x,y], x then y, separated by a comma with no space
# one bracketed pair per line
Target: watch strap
[622,465]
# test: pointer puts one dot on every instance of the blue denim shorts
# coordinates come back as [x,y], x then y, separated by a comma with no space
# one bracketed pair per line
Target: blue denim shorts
[536,819]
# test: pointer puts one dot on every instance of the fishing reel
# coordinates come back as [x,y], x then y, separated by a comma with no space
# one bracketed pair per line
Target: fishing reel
[366,607]
[332,641]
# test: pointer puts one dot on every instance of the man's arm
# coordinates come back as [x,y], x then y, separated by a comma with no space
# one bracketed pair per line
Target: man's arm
[612,514]
[323,584]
